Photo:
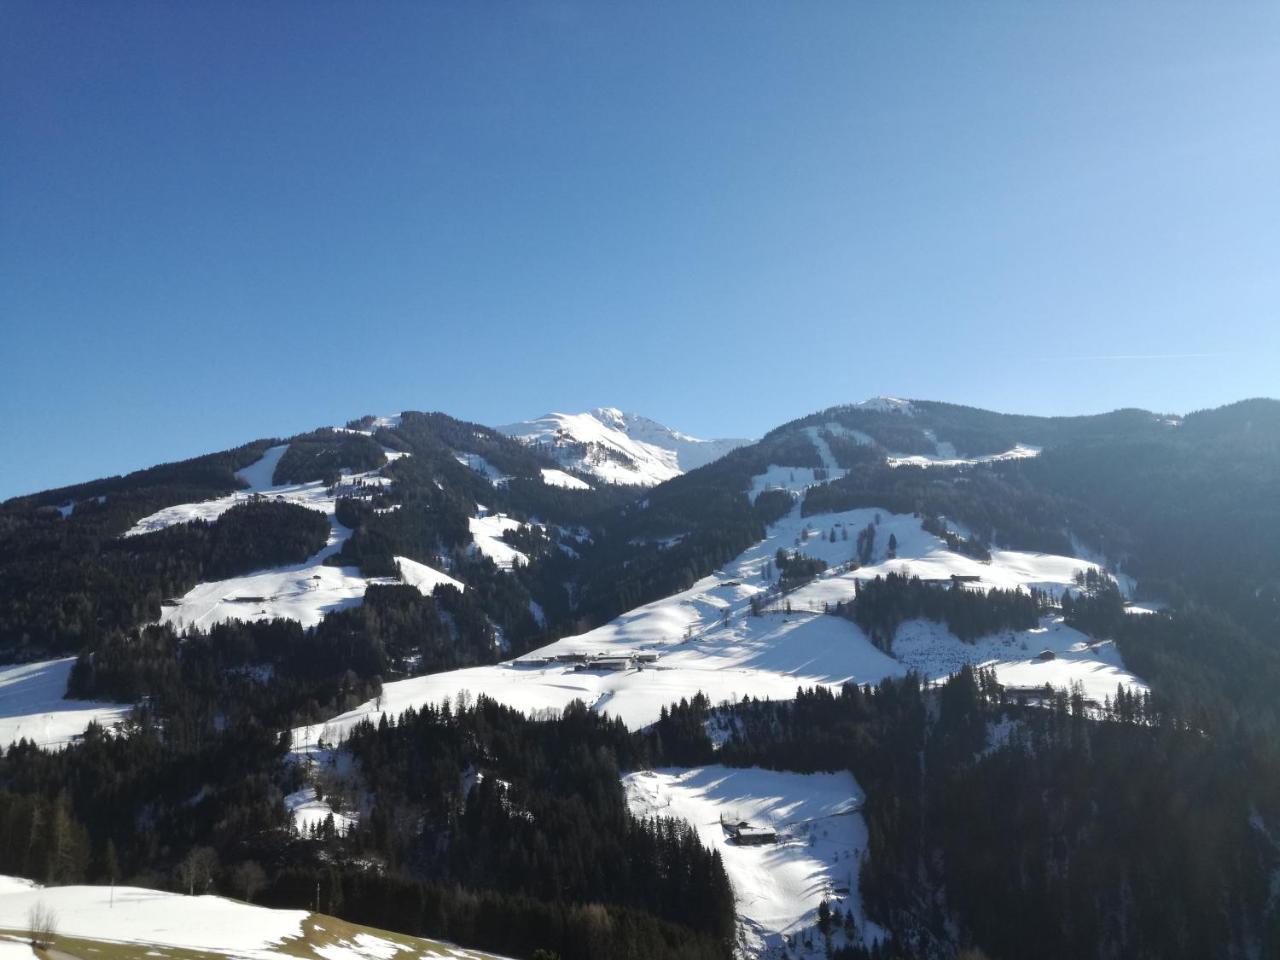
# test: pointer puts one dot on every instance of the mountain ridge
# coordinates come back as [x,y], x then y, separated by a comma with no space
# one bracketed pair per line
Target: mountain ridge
[618,447]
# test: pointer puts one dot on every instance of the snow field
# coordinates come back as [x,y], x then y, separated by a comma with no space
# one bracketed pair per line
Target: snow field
[487,530]
[32,705]
[257,475]
[558,478]
[1097,668]
[777,887]
[478,464]
[796,480]
[154,921]
[136,915]
[617,458]
[305,592]
[309,812]
[946,457]
[621,447]
[707,641]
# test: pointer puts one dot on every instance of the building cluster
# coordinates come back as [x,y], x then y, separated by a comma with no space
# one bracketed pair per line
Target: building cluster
[585,660]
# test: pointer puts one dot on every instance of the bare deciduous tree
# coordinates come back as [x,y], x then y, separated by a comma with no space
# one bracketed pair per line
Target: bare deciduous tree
[43,925]
[248,878]
[197,868]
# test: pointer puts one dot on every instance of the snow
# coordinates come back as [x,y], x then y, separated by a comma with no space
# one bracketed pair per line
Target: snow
[707,641]
[887,405]
[378,423]
[151,917]
[209,925]
[1146,606]
[621,448]
[946,457]
[796,480]
[930,650]
[487,530]
[777,887]
[308,812]
[558,478]
[305,592]
[477,463]
[425,578]
[32,705]
[257,475]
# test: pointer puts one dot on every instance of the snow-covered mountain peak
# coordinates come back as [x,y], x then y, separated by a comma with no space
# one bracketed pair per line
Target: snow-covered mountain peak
[618,447]
[610,415]
[887,405]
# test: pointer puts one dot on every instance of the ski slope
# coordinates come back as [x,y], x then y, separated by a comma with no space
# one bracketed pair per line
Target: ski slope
[776,887]
[305,592]
[157,924]
[486,532]
[258,477]
[32,705]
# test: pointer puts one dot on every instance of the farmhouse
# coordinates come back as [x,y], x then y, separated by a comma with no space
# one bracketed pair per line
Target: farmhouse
[748,835]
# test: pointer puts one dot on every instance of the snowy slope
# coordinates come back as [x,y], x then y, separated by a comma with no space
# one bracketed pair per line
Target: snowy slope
[706,639]
[946,457]
[486,531]
[306,591]
[162,922]
[618,447]
[776,887]
[32,705]
[257,475]
[310,812]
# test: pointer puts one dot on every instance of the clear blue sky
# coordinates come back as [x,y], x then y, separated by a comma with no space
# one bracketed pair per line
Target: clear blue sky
[221,221]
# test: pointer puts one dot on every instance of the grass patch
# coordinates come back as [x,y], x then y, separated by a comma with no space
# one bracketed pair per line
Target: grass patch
[318,931]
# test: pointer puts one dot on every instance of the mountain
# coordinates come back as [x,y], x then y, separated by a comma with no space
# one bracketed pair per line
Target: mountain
[820,695]
[617,447]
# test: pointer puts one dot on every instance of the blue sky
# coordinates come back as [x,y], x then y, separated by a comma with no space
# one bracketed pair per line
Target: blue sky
[225,221]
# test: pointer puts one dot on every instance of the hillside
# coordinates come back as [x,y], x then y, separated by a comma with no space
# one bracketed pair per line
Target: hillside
[126,922]
[446,673]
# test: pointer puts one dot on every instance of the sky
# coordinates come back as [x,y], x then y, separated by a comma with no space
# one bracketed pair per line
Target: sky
[227,221]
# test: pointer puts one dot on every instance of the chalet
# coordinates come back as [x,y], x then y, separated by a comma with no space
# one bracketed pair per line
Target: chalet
[748,835]
[1046,655]
[612,663]
[645,657]
[965,578]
